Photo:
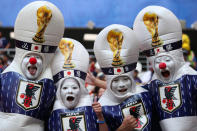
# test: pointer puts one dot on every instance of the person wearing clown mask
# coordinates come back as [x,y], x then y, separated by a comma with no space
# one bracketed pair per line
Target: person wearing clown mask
[27,91]
[174,84]
[70,92]
[73,106]
[125,106]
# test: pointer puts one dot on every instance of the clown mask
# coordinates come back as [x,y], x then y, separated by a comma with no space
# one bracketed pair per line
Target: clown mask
[164,67]
[70,93]
[32,66]
[121,85]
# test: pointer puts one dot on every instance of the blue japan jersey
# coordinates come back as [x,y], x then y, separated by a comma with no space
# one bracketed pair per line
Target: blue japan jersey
[175,99]
[78,119]
[22,96]
[138,105]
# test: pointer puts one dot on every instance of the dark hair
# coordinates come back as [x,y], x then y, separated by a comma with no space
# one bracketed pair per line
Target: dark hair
[136,71]
[1,59]
[6,55]
[96,90]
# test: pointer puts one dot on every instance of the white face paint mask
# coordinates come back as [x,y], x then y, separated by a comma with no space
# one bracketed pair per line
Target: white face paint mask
[121,85]
[32,66]
[70,93]
[164,67]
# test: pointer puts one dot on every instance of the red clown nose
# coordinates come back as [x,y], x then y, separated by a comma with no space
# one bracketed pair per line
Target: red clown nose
[32,60]
[162,65]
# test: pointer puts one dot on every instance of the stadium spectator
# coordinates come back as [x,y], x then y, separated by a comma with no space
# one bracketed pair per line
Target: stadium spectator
[1,65]
[4,43]
[136,78]
[6,60]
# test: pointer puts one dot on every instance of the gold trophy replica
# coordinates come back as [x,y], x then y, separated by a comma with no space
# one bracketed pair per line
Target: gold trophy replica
[151,21]
[115,39]
[66,47]
[44,15]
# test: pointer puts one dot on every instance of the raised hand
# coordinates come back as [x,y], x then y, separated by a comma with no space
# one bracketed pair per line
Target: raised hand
[97,109]
[128,124]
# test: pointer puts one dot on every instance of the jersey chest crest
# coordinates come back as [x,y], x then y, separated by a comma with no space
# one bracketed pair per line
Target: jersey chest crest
[73,121]
[28,94]
[136,109]
[170,97]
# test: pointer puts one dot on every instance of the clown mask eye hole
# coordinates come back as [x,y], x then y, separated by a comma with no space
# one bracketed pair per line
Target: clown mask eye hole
[75,87]
[157,60]
[65,88]
[125,78]
[37,57]
[115,80]
[167,59]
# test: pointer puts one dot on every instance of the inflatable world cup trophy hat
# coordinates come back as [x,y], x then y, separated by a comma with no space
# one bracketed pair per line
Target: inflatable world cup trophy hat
[116,50]
[71,61]
[160,33]
[38,28]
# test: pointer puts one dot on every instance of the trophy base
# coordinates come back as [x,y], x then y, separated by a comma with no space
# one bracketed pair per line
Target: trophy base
[68,66]
[117,63]
[157,43]
[38,39]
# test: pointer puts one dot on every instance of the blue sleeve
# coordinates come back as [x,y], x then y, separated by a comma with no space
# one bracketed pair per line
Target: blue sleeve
[147,86]
[5,42]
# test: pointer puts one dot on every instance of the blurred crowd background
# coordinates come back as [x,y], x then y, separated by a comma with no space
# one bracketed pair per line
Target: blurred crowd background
[84,23]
